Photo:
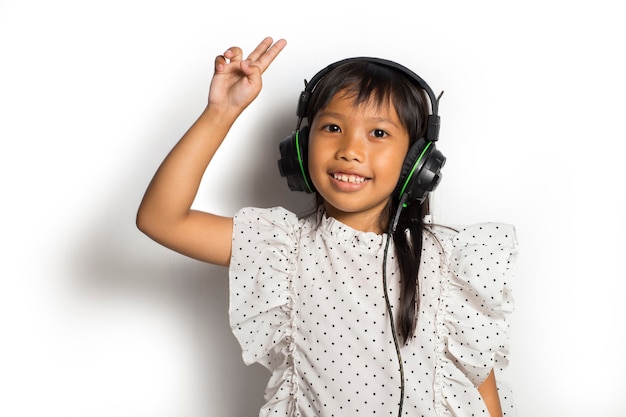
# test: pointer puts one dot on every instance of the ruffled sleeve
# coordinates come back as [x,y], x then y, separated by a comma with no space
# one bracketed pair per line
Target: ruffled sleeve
[476,304]
[261,268]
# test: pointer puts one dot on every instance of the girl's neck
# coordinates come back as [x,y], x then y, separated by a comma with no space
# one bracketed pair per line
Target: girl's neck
[361,221]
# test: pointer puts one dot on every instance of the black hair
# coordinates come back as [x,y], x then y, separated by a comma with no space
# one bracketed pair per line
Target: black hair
[364,82]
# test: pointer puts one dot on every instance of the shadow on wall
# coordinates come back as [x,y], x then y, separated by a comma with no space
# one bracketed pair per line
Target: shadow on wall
[113,261]
[259,183]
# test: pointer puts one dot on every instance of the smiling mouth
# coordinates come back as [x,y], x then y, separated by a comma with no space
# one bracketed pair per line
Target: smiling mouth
[353,179]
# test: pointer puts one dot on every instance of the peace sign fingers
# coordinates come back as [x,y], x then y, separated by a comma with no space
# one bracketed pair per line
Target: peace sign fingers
[264,54]
[237,81]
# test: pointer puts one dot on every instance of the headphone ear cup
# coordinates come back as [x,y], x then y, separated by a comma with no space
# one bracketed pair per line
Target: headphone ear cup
[294,161]
[421,171]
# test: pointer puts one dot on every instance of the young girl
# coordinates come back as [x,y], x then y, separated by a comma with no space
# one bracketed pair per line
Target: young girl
[364,307]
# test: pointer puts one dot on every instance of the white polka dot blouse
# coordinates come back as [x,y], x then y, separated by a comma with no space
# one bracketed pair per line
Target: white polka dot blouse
[307,302]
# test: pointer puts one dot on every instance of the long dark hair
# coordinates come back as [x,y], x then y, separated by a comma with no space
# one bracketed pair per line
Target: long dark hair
[364,81]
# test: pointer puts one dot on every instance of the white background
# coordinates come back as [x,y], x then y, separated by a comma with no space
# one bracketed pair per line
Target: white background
[97,320]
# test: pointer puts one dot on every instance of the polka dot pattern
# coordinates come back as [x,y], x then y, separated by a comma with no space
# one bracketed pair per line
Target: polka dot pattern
[307,302]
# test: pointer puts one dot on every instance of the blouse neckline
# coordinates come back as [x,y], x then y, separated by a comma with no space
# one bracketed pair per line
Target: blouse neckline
[343,234]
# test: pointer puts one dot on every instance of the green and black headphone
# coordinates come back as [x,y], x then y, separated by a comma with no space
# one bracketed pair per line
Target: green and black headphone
[420,172]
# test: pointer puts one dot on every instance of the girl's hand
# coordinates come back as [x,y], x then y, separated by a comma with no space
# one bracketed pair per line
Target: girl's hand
[237,82]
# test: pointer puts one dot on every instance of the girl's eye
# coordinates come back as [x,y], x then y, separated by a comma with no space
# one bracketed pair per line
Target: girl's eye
[332,128]
[379,133]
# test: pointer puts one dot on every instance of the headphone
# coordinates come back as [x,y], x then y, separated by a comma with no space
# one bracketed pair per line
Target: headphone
[421,168]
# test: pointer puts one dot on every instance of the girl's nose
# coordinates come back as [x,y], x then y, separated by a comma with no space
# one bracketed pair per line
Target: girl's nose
[351,147]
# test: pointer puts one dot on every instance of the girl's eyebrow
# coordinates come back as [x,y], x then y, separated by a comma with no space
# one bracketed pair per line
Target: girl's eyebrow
[379,119]
[384,120]
[329,114]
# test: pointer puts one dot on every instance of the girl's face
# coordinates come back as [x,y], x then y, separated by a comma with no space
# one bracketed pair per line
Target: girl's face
[355,159]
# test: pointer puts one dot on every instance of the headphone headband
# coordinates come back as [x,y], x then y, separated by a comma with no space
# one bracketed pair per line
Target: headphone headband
[432,129]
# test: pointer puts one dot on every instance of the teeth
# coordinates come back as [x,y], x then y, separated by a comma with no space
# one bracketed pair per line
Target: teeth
[355,179]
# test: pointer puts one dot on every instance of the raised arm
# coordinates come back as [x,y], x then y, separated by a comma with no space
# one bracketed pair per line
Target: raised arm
[165,213]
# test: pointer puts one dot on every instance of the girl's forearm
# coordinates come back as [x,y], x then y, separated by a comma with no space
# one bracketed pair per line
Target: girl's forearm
[174,186]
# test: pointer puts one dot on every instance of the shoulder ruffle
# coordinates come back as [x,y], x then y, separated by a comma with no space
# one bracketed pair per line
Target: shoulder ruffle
[261,292]
[261,295]
[476,303]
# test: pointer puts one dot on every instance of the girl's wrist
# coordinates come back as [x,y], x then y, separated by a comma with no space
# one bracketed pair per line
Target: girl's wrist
[220,114]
